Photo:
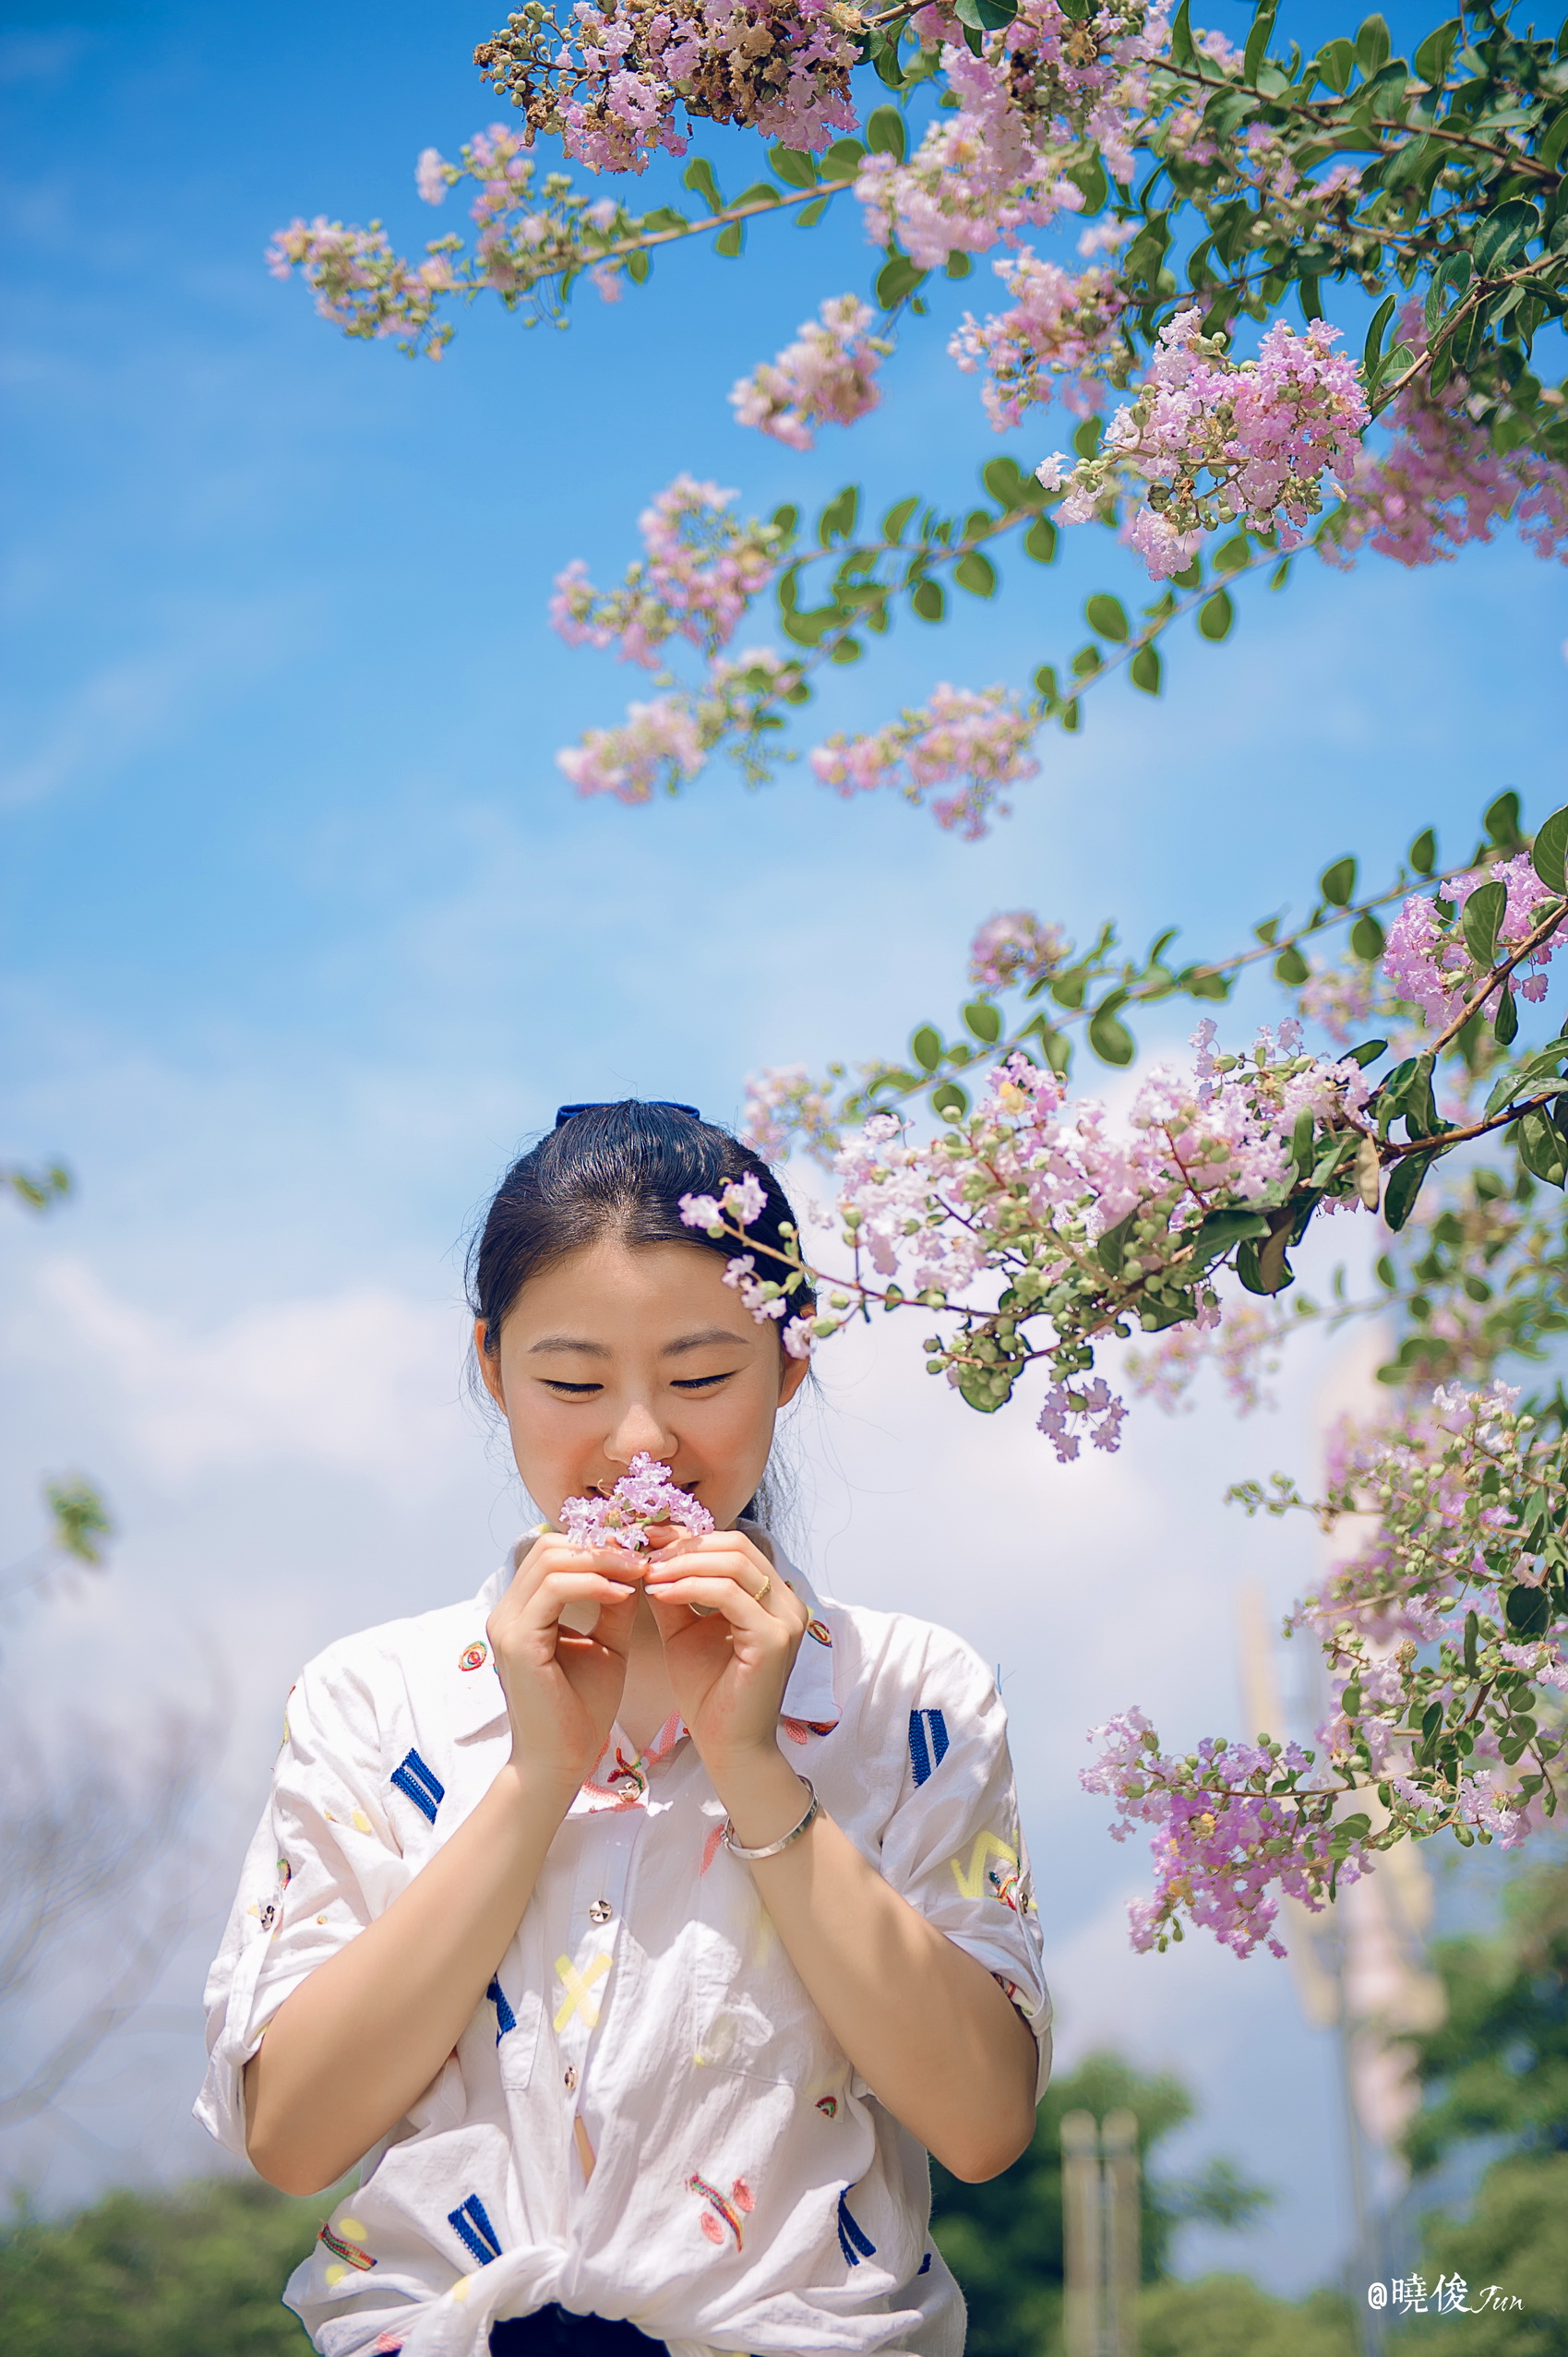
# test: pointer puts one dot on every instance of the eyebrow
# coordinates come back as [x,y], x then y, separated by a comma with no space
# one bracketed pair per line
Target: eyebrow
[704,1339]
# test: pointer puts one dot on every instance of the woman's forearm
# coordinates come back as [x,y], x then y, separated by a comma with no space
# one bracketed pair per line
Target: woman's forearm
[923,2022]
[357,2043]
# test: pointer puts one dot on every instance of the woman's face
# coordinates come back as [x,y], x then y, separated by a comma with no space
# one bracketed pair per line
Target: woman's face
[624,1348]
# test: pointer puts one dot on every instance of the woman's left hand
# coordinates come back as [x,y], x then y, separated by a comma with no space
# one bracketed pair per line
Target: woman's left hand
[731,1629]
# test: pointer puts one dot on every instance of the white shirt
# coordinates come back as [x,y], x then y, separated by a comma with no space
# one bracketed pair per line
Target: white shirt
[747,2192]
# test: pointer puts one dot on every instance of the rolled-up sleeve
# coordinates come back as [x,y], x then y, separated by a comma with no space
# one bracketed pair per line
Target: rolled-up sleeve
[324,1863]
[955,1847]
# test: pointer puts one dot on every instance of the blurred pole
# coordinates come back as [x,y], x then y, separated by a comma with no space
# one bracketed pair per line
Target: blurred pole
[1082,2235]
[1124,2255]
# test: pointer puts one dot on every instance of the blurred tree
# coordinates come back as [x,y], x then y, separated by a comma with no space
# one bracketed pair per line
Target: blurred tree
[1498,2068]
[186,2274]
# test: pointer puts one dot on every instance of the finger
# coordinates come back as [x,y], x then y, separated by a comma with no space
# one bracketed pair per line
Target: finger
[726,1595]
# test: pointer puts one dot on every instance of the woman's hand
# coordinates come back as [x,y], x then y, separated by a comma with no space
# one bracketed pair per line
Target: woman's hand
[563,1686]
[731,1630]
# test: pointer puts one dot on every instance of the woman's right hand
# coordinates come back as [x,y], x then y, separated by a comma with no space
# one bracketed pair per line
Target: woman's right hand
[563,1687]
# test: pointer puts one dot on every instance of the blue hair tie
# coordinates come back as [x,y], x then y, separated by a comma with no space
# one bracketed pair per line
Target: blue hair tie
[657,1105]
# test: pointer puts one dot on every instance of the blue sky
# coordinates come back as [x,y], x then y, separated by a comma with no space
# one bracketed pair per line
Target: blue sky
[304,932]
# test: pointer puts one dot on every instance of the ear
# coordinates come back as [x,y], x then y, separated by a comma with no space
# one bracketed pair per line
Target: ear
[792,1375]
[489,1365]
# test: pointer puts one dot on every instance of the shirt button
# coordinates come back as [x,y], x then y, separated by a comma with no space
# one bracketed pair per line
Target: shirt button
[568,2080]
[601,1911]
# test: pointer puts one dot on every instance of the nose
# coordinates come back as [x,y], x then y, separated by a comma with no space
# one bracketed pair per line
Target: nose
[638,1432]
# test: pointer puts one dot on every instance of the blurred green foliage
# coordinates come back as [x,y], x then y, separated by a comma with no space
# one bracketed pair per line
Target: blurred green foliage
[197,2273]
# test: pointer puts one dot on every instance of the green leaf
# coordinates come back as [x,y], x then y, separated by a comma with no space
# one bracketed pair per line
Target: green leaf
[1527,1611]
[1086,436]
[1258,40]
[1405,1184]
[1505,1022]
[1291,967]
[1039,541]
[984,1021]
[1181,50]
[1372,351]
[1216,615]
[1541,1147]
[1431,58]
[884,133]
[985,16]
[882,50]
[1373,46]
[846,650]
[1337,884]
[975,573]
[730,239]
[1502,234]
[1236,552]
[1108,616]
[1367,936]
[1432,1724]
[1008,485]
[1423,851]
[1109,1038]
[896,518]
[1482,914]
[1111,1249]
[959,264]
[1220,1230]
[1262,1268]
[1500,820]
[699,176]
[930,600]
[809,215]
[762,192]
[843,160]
[897,279]
[1456,273]
[1335,63]
[950,1100]
[796,170]
[926,1046]
[1144,670]
[1549,852]
[1367,1052]
[837,519]
[1556,140]
[1045,680]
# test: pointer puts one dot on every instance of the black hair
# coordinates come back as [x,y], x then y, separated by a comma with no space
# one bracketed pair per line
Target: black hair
[619,1170]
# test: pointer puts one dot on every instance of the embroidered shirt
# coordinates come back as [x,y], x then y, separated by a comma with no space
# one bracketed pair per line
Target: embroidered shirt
[746,2190]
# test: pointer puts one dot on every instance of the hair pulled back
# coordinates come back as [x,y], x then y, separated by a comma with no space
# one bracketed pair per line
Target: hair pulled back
[618,1170]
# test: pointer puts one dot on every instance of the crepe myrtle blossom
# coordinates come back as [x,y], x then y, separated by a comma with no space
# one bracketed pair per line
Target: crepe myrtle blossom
[1016,948]
[1062,331]
[828,377]
[1241,1338]
[1042,90]
[1264,433]
[1439,483]
[363,286]
[783,1101]
[1069,1414]
[1426,959]
[656,745]
[702,571]
[610,78]
[642,1497]
[976,739]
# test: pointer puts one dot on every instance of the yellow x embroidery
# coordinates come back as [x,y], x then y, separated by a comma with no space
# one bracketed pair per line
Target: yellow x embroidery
[578,1988]
[986,1846]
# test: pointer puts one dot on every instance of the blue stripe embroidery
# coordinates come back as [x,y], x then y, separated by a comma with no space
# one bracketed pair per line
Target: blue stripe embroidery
[927,1741]
[471,2221]
[505,2017]
[420,1783]
[853,2242]
[925,2266]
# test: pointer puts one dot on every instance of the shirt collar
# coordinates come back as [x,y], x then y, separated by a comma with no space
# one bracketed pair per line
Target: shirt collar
[808,1697]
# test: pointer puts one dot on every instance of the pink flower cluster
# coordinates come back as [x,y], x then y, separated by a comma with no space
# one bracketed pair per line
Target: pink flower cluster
[1264,433]
[1232,1832]
[1073,1412]
[657,744]
[1439,484]
[1426,960]
[1040,92]
[643,1497]
[1239,1337]
[783,1101]
[975,738]
[362,287]
[780,68]
[1016,948]
[701,571]
[1061,325]
[828,377]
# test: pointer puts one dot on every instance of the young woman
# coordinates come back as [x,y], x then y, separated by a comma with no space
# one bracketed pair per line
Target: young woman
[640,1925]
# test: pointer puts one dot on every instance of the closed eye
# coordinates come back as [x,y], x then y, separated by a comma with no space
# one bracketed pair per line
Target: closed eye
[701,1382]
[570,1391]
